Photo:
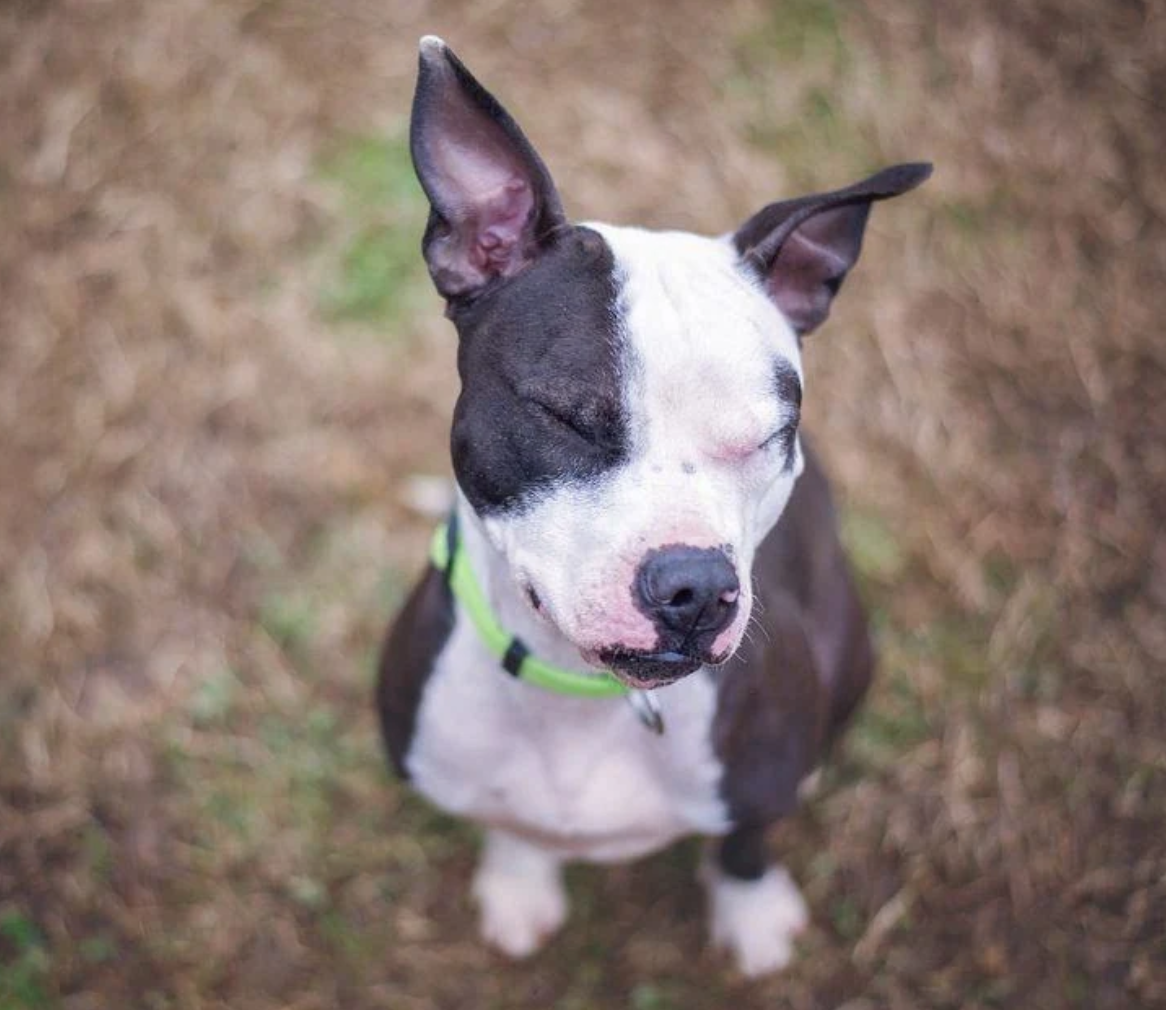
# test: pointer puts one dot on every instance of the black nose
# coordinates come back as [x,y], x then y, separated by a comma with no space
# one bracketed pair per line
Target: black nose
[688,592]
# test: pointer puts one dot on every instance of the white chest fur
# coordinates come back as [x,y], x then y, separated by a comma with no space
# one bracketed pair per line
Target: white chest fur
[581,776]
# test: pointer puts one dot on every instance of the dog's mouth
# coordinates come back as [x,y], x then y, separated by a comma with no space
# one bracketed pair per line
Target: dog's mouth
[649,669]
[640,669]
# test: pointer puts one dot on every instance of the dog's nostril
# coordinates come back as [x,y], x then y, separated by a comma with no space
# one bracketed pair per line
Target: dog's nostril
[688,590]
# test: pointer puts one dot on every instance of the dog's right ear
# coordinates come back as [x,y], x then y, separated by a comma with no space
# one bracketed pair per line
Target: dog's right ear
[493,206]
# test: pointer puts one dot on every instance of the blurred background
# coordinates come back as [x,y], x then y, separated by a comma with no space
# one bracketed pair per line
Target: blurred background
[224,396]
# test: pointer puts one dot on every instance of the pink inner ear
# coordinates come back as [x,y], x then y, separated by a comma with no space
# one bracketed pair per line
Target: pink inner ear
[797,280]
[484,193]
[499,224]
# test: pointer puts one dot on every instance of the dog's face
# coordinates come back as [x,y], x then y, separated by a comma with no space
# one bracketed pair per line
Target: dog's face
[627,427]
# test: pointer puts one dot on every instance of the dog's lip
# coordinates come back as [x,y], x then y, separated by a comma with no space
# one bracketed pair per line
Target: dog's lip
[649,669]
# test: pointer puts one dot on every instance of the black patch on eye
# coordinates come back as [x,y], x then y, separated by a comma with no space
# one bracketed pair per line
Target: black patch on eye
[783,441]
[788,387]
[539,360]
[576,408]
[789,447]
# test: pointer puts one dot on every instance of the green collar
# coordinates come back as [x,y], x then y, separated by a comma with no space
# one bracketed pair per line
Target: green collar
[513,656]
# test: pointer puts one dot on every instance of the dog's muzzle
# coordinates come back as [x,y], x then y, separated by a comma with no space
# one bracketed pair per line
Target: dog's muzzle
[691,595]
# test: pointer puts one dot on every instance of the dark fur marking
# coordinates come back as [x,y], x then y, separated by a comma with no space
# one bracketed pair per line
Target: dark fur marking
[411,648]
[788,385]
[784,694]
[742,853]
[789,391]
[539,359]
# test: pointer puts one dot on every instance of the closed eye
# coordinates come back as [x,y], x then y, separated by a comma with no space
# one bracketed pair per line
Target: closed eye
[593,422]
[782,438]
[565,419]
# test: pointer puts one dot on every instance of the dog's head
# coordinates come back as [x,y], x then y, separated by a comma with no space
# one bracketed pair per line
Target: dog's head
[628,422]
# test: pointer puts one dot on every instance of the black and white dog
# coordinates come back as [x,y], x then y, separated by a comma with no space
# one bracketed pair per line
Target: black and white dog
[574,670]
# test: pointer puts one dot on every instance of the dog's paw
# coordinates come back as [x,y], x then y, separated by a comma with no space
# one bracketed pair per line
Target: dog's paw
[521,900]
[756,921]
[518,914]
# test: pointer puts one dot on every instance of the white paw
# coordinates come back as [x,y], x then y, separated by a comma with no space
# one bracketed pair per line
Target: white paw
[756,920]
[520,898]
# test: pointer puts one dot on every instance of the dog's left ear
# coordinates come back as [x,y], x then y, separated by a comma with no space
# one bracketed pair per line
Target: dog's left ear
[493,206]
[802,249]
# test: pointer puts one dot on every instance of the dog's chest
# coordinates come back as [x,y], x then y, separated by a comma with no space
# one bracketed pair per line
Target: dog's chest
[581,775]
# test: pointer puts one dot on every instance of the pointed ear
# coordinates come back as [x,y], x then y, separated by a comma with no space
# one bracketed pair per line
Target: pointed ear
[493,205]
[802,249]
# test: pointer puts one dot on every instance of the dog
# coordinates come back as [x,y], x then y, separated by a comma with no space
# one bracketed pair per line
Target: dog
[575,670]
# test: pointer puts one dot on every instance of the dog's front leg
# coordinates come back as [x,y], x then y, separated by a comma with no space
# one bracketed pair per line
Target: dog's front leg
[755,909]
[520,894]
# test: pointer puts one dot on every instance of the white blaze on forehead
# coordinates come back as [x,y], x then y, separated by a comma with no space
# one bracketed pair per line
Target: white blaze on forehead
[703,339]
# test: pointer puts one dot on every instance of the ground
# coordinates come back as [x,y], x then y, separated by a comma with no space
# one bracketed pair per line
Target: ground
[224,396]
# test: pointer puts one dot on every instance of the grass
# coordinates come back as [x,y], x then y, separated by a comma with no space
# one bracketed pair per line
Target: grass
[803,124]
[889,727]
[806,31]
[202,525]
[212,701]
[289,617]
[874,551]
[25,964]
[378,269]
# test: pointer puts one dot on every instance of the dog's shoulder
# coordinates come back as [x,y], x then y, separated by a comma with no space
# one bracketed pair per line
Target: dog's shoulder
[771,717]
[407,660]
[792,684]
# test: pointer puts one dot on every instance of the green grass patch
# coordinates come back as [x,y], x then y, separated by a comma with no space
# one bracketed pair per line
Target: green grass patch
[443,833]
[98,949]
[290,619]
[817,133]
[846,918]
[374,172]
[890,726]
[376,274]
[871,546]
[309,756]
[24,963]
[797,29]
[650,996]
[958,643]
[790,78]
[213,699]
[379,272]
[99,855]
[897,717]
[283,773]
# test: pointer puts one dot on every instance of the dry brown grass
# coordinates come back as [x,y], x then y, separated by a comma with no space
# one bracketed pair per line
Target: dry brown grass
[204,518]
